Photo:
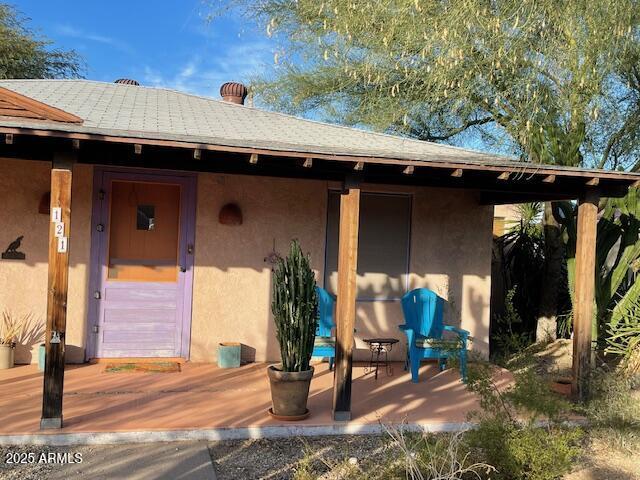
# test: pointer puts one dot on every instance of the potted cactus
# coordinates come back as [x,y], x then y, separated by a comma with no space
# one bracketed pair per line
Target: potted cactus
[295,312]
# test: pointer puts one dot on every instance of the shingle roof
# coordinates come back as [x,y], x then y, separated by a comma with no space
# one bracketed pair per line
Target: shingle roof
[156,113]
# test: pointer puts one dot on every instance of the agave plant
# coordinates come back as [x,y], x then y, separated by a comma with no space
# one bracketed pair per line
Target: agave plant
[617,251]
[10,327]
[295,309]
[623,337]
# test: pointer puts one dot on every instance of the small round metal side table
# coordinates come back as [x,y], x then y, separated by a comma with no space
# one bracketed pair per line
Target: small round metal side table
[379,346]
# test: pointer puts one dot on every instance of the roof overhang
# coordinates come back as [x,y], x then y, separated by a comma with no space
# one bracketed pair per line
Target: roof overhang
[15,105]
[497,182]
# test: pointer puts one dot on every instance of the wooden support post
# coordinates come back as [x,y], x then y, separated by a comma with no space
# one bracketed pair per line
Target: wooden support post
[57,291]
[583,308]
[346,301]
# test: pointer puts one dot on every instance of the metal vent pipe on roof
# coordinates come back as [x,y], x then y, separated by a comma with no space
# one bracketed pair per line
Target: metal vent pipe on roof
[127,81]
[233,92]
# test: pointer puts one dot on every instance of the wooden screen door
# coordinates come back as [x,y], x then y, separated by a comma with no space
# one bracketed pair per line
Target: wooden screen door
[144,265]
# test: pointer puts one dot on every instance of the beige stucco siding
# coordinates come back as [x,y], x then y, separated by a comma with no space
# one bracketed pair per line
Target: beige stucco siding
[23,284]
[450,253]
[232,281]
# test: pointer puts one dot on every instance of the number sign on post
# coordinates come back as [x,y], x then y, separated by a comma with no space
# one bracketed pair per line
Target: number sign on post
[59,229]
[56,214]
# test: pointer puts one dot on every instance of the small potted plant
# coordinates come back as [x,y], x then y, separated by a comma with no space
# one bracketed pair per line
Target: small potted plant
[9,330]
[295,313]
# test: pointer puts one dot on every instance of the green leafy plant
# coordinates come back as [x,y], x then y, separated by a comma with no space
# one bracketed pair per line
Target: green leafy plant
[617,252]
[508,337]
[295,309]
[623,337]
[11,327]
[519,428]
[25,53]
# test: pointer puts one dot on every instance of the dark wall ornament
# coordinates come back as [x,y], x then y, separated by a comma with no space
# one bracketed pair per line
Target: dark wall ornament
[12,253]
[45,204]
[230,214]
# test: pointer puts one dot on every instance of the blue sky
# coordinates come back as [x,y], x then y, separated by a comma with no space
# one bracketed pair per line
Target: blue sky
[165,43]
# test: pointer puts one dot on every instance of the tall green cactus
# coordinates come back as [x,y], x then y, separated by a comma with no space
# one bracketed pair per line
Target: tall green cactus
[295,309]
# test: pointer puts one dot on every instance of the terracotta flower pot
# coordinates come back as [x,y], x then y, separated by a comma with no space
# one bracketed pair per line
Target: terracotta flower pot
[562,386]
[6,355]
[289,392]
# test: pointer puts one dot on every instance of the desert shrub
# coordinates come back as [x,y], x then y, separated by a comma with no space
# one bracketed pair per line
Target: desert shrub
[519,428]
[427,456]
[613,408]
[508,336]
[408,456]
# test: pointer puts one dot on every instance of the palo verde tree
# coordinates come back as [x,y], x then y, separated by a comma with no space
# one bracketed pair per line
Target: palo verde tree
[25,54]
[548,81]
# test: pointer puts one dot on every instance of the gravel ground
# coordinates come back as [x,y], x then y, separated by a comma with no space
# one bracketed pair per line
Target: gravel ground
[278,458]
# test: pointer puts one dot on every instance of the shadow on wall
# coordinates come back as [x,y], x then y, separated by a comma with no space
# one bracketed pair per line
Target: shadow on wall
[382,318]
[273,209]
[31,334]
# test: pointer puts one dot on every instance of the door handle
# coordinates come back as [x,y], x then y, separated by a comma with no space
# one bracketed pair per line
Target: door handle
[183,268]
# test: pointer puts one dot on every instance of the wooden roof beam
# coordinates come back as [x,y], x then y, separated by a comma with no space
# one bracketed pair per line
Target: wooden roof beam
[409,169]
[359,166]
[504,176]
[549,179]
[593,182]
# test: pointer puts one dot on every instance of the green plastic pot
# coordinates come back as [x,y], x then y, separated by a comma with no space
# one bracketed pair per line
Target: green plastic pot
[41,353]
[228,355]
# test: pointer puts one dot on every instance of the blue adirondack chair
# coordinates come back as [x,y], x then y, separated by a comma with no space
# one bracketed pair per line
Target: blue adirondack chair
[325,344]
[424,329]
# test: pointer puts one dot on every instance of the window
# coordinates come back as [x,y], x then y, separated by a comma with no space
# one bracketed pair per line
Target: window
[383,245]
[146,218]
[143,232]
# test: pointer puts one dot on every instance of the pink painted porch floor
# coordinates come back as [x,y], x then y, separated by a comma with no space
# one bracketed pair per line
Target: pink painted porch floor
[203,396]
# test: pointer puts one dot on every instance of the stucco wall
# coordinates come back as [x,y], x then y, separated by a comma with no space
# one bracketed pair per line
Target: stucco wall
[23,284]
[232,281]
[450,253]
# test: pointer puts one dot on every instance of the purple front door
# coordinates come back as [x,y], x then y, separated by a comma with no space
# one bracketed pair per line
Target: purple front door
[142,265]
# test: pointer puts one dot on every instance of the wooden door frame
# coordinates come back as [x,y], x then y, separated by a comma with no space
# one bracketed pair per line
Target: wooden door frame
[95,267]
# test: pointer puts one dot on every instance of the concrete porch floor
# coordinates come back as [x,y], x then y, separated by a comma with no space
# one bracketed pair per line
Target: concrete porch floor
[203,396]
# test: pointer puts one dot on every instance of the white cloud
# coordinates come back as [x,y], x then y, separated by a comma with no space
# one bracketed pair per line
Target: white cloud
[73,32]
[203,75]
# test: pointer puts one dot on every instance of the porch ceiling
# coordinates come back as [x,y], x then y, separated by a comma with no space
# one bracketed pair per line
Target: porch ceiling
[510,182]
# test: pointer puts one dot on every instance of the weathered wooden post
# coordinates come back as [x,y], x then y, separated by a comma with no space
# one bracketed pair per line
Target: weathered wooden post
[59,234]
[346,301]
[583,309]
